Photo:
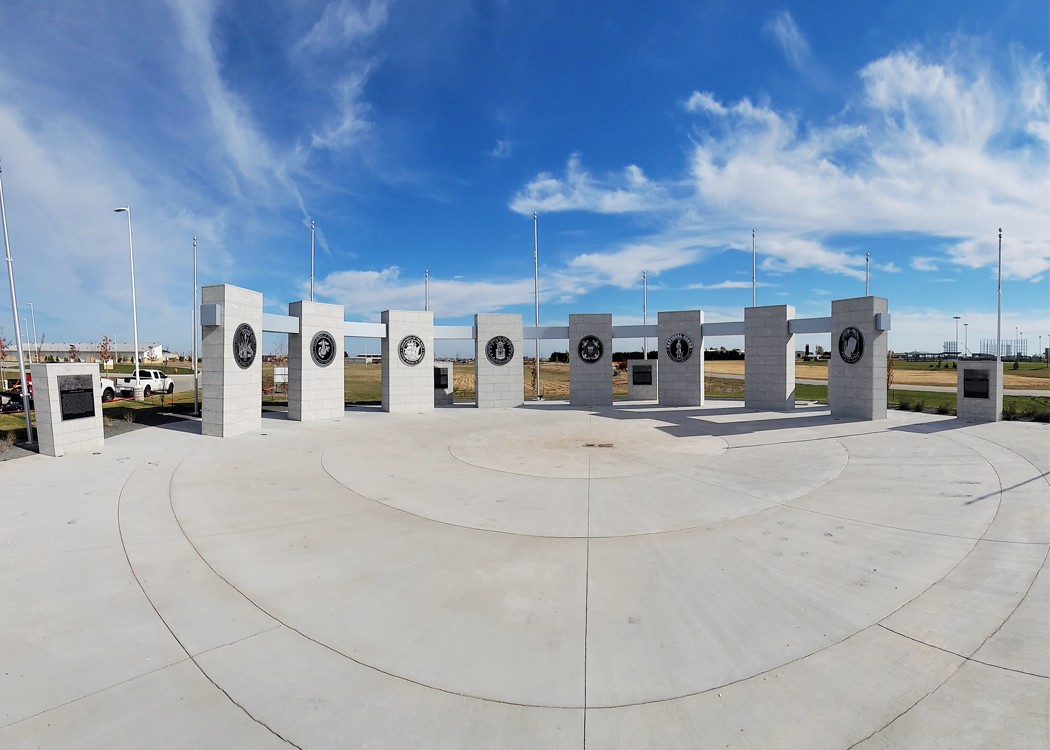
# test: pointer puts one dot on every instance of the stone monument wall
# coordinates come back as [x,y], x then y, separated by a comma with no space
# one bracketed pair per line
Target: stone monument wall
[316,383]
[498,361]
[68,402]
[643,379]
[408,361]
[231,371]
[857,370]
[980,391]
[680,344]
[769,358]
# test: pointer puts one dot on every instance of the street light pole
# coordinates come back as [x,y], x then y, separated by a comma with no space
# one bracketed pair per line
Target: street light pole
[196,403]
[134,306]
[36,341]
[14,314]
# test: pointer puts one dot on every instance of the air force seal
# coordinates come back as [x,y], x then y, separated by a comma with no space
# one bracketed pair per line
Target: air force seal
[499,350]
[590,349]
[322,349]
[411,350]
[679,347]
[244,346]
[851,345]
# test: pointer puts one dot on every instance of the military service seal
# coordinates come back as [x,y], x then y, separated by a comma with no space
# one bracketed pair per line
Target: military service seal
[244,346]
[411,350]
[499,350]
[851,345]
[679,347]
[590,349]
[322,349]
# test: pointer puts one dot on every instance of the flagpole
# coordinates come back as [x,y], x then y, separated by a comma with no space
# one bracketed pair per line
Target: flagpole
[311,260]
[754,271]
[867,263]
[536,292]
[645,302]
[14,313]
[426,289]
[196,383]
[999,314]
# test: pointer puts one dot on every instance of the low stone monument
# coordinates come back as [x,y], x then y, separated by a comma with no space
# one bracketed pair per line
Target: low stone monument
[979,393]
[68,401]
[643,380]
[444,384]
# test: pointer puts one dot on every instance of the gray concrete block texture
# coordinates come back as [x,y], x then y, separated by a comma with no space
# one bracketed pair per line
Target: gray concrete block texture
[315,391]
[231,396]
[978,410]
[590,383]
[642,391]
[408,388]
[769,351]
[499,386]
[444,396]
[858,390]
[57,436]
[681,383]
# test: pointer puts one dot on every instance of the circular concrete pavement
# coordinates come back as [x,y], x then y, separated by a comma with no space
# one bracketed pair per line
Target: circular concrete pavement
[549,577]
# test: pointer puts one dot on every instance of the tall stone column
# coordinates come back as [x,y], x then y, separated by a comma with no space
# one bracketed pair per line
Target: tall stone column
[680,343]
[769,358]
[857,370]
[408,361]
[590,360]
[499,374]
[231,372]
[316,381]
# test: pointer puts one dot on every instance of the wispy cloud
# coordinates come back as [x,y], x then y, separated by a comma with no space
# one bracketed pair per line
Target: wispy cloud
[501,150]
[922,263]
[343,23]
[728,285]
[793,44]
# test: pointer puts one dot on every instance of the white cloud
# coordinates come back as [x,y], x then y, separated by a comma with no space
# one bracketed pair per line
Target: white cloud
[790,38]
[921,263]
[890,267]
[626,192]
[623,268]
[501,150]
[343,23]
[728,285]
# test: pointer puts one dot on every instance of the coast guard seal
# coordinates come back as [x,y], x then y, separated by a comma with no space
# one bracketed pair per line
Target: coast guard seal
[499,350]
[411,350]
[851,345]
[590,349]
[244,346]
[322,349]
[679,347]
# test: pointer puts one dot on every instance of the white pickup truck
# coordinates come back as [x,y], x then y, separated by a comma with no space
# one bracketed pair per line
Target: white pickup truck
[152,381]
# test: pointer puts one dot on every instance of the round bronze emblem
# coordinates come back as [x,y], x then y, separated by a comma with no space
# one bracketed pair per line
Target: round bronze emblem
[679,347]
[244,346]
[499,350]
[590,349]
[411,350]
[851,346]
[322,348]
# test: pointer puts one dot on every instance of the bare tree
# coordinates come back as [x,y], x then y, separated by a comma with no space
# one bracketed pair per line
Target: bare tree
[74,353]
[5,347]
[280,353]
[105,350]
[40,348]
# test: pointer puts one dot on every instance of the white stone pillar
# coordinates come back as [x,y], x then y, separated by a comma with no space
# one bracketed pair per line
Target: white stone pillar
[680,344]
[499,372]
[769,358]
[857,370]
[316,383]
[590,360]
[68,402]
[979,394]
[643,379]
[231,371]
[408,361]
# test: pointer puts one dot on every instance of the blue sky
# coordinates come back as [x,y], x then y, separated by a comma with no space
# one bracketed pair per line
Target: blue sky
[423,135]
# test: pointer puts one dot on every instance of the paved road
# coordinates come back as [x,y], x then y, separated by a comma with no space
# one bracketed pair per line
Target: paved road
[901,387]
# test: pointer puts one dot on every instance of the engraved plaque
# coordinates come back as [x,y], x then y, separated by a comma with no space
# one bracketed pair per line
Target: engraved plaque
[643,375]
[76,396]
[975,384]
[440,378]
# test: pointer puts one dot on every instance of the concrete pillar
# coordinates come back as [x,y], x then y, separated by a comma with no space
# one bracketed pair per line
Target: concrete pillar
[769,358]
[499,372]
[408,361]
[857,370]
[979,394]
[643,379]
[590,360]
[68,402]
[316,384]
[680,343]
[231,370]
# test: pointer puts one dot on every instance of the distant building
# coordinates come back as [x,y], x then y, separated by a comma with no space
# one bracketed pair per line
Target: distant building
[88,351]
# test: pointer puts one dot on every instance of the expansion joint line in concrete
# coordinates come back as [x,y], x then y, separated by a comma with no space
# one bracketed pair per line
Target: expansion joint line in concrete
[586,599]
[191,657]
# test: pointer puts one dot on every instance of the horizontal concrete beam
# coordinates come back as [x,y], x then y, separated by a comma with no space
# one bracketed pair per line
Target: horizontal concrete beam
[736,328]
[364,330]
[280,323]
[809,325]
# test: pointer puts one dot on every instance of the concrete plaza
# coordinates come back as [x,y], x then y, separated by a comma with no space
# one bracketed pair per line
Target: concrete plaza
[540,577]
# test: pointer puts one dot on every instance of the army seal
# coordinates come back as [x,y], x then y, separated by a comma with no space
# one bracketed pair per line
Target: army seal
[244,346]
